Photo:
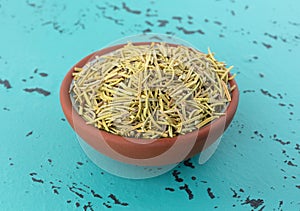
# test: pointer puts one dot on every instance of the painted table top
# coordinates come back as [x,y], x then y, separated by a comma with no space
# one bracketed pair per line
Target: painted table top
[256,166]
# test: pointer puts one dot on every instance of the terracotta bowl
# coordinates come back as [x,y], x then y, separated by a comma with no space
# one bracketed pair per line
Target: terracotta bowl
[144,152]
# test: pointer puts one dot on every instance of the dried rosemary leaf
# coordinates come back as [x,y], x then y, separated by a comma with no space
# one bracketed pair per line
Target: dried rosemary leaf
[151,91]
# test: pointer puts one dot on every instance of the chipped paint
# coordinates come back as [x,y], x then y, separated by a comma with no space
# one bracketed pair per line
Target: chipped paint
[41,162]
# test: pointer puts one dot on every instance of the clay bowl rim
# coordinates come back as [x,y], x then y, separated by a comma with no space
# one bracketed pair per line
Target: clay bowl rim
[117,139]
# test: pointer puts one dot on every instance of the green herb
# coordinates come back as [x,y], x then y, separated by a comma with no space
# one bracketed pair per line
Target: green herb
[151,91]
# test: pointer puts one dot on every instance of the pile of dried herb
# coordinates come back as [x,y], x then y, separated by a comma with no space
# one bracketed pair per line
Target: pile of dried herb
[151,91]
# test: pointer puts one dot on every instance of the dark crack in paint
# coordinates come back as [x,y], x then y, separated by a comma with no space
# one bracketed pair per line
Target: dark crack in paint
[255,203]
[210,193]
[268,46]
[149,23]
[38,90]
[127,9]
[187,190]
[31,4]
[178,18]
[280,204]
[114,7]
[235,195]
[147,30]
[284,40]
[162,23]
[170,33]
[188,163]
[290,163]
[79,23]
[88,206]
[294,23]
[57,27]
[43,24]
[218,23]
[261,136]
[37,180]
[150,14]
[55,191]
[96,195]
[175,174]
[106,205]
[170,189]
[117,201]
[85,185]
[29,133]
[103,11]
[267,93]
[271,36]
[185,31]
[281,104]
[280,140]
[280,96]
[74,190]
[5,83]
[248,91]
[297,147]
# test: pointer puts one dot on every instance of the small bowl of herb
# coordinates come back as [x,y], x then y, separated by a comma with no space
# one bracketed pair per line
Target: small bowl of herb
[149,103]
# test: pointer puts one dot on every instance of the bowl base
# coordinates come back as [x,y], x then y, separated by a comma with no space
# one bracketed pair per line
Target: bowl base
[130,171]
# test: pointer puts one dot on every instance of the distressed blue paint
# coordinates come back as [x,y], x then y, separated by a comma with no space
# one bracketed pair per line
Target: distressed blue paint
[253,167]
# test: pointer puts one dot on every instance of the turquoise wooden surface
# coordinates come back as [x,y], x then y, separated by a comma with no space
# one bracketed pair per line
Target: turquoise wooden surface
[256,166]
